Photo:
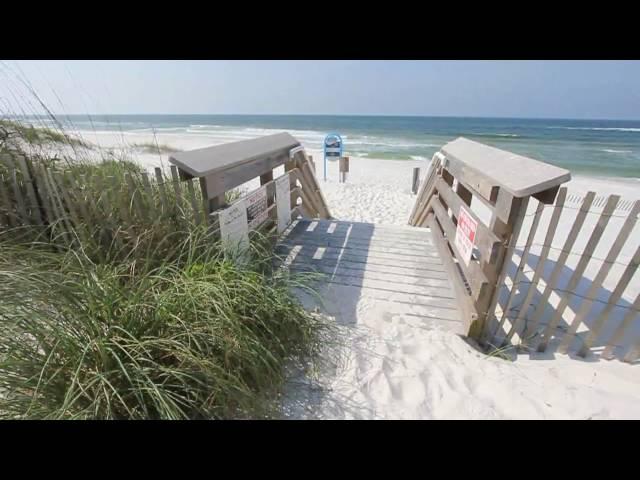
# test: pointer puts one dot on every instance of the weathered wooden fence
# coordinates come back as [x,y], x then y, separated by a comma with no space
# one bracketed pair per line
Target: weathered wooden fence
[224,167]
[548,270]
[112,202]
[569,287]
[86,200]
[466,173]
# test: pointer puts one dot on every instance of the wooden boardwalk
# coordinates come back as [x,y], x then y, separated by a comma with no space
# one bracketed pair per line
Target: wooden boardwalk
[394,271]
[557,278]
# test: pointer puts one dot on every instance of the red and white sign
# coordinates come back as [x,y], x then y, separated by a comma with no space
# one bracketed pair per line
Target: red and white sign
[465,235]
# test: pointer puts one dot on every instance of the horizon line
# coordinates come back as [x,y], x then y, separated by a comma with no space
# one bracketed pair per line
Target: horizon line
[330,115]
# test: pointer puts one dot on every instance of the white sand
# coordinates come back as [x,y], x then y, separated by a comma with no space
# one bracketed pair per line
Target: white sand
[389,369]
[394,370]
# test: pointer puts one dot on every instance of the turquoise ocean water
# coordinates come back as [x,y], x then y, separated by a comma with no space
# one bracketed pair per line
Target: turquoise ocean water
[608,148]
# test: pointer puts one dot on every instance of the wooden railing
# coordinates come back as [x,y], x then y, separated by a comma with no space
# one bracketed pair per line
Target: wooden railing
[467,177]
[306,199]
[225,167]
[63,203]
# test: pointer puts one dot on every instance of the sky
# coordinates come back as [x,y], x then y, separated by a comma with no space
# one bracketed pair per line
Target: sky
[526,89]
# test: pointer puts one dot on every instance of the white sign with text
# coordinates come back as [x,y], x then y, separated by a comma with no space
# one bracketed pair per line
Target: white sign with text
[283,202]
[234,231]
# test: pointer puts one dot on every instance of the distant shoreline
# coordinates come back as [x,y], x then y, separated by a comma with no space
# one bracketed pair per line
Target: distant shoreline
[369,115]
[598,148]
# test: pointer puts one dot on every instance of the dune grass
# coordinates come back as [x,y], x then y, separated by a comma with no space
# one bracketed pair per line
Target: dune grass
[11,131]
[198,337]
[141,315]
[155,148]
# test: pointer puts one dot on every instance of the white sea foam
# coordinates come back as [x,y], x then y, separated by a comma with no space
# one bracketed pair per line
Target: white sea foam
[374,143]
[514,135]
[615,129]
[610,150]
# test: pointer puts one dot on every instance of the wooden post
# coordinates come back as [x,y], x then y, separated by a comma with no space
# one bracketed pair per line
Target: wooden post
[266,178]
[344,169]
[313,164]
[210,204]
[415,182]
[271,193]
[516,209]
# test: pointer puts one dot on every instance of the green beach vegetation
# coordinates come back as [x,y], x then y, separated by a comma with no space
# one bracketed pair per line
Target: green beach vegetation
[125,307]
[12,131]
[155,148]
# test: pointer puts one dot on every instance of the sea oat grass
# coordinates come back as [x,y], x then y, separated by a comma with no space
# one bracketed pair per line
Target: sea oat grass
[198,337]
[125,307]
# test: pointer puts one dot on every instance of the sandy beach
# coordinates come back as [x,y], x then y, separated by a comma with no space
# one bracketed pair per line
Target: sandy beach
[403,371]
[388,369]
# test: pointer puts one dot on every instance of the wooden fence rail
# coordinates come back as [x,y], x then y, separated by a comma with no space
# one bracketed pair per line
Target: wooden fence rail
[65,204]
[223,167]
[82,202]
[550,270]
[590,313]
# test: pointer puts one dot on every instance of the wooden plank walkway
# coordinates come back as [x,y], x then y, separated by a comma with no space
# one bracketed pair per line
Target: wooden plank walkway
[390,271]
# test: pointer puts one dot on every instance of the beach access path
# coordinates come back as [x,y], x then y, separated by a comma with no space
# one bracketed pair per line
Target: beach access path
[386,367]
[395,366]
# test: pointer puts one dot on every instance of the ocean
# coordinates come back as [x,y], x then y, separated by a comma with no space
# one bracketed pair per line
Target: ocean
[609,148]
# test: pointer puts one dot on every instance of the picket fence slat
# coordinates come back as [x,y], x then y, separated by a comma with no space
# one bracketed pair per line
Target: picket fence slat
[61,221]
[31,194]
[551,231]
[22,219]
[6,205]
[175,180]
[560,262]
[163,193]
[632,314]
[135,195]
[121,199]
[77,193]
[576,276]
[615,297]
[148,194]
[194,202]
[517,278]
[44,193]
[597,282]
[70,206]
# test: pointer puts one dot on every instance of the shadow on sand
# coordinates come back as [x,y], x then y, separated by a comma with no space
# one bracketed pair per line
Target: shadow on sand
[530,341]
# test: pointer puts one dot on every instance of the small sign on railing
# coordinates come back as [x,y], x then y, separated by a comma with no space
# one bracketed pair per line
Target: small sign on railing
[238,219]
[257,208]
[234,228]
[283,202]
[465,235]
